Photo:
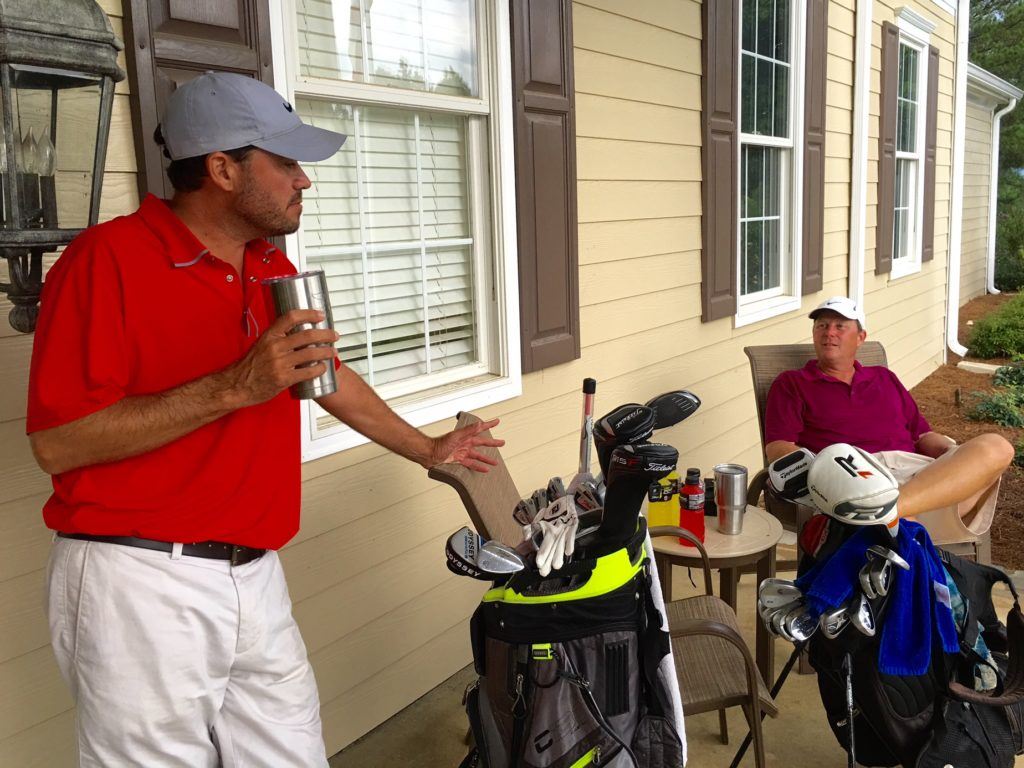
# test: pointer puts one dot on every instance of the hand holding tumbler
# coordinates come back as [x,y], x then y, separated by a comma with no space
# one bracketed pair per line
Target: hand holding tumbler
[306,290]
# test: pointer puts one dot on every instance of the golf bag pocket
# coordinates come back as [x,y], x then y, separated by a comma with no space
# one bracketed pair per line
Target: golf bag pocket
[969,736]
[656,742]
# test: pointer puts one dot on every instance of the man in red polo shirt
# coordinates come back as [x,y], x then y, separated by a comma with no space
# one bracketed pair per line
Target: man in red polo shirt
[158,400]
[951,489]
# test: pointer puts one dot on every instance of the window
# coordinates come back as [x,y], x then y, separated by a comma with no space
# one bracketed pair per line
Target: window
[770,158]
[401,219]
[906,248]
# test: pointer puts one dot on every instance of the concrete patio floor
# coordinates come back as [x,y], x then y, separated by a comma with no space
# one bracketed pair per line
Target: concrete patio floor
[430,731]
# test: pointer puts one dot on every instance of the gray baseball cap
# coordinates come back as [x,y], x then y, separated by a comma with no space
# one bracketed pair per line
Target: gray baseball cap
[218,111]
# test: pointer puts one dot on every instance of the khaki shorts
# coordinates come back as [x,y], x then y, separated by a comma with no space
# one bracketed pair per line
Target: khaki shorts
[956,522]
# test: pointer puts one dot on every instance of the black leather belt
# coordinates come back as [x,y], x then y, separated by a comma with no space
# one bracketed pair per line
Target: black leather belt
[213,550]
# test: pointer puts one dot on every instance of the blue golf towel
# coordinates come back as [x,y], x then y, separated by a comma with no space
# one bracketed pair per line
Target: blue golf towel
[918,599]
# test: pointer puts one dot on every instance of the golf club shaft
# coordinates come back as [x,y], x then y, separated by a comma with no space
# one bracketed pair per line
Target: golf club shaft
[797,650]
[587,428]
[851,760]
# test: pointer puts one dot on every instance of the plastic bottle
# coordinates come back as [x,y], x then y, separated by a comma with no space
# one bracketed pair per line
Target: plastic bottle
[661,501]
[691,506]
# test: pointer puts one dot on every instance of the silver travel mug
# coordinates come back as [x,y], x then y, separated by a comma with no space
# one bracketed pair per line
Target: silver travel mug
[306,290]
[731,497]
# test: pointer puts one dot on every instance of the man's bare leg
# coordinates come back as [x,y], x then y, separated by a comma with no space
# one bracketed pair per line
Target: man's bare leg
[966,474]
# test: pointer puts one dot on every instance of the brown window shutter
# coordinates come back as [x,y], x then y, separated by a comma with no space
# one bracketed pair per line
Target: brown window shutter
[170,42]
[931,131]
[885,217]
[545,157]
[814,146]
[719,159]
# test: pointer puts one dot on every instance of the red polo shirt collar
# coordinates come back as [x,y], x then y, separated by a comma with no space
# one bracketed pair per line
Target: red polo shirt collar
[813,372]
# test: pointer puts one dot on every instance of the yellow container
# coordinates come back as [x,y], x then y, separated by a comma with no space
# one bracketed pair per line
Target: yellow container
[663,501]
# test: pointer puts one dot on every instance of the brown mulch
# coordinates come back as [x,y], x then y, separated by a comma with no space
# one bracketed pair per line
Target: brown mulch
[944,398]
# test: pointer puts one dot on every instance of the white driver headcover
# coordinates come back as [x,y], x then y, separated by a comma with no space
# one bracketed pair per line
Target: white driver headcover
[850,485]
[788,476]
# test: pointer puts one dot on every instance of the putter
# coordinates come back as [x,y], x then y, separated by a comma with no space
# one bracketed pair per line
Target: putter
[800,624]
[834,622]
[862,617]
[886,553]
[628,424]
[864,576]
[773,593]
[671,408]
[632,469]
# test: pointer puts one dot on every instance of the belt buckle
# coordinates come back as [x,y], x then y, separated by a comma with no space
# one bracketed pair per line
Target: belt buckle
[236,554]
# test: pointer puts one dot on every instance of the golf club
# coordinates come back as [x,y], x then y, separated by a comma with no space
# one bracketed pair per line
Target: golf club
[800,624]
[835,621]
[862,617]
[773,593]
[881,576]
[671,408]
[884,552]
[778,625]
[524,512]
[587,427]
[628,424]
[632,468]
[864,577]
[468,554]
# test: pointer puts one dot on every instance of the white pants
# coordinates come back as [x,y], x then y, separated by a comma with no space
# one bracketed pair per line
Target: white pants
[181,661]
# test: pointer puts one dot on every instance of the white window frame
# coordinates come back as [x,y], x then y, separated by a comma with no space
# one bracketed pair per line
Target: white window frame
[915,32]
[323,435]
[786,298]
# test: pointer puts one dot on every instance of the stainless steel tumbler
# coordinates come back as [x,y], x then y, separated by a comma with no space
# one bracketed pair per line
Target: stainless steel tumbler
[306,290]
[731,497]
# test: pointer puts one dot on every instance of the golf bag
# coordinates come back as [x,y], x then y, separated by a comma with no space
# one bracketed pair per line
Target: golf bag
[569,669]
[935,719]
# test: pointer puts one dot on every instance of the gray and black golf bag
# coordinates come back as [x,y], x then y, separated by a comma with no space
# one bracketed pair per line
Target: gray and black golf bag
[571,671]
[936,719]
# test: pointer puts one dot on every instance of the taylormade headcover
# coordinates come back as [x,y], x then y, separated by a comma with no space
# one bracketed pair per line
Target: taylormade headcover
[788,476]
[850,485]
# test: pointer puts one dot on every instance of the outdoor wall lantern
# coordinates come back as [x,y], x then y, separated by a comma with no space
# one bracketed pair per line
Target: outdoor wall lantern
[58,66]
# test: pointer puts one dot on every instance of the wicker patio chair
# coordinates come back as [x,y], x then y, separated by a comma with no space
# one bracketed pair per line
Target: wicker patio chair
[766,363]
[713,663]
[489,497]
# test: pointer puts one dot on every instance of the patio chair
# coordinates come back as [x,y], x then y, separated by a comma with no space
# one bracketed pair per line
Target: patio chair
[713,663]
[766,363]
[489,497]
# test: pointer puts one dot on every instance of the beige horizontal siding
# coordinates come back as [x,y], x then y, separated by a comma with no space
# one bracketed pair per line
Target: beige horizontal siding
[975,211]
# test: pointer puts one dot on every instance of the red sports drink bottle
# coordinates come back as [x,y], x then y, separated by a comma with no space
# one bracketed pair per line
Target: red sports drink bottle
[691,506]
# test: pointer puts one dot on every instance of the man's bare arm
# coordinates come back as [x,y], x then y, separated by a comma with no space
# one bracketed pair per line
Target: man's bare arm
[136,425]
[933,444]
[356,404]
[779,448]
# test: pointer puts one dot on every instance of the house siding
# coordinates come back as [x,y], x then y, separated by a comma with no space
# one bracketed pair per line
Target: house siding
[383,619]
[908,314]
[977,176]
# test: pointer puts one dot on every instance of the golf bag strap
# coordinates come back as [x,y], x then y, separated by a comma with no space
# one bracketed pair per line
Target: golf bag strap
[654,646]
[1012,689]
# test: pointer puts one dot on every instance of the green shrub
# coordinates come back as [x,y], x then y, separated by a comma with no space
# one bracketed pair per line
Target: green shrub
[1009,272]
[1000,334]
[1002,407]
[1011,375]
[1018,454]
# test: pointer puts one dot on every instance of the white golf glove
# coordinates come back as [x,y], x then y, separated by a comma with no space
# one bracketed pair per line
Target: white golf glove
[851,485]
[557,524]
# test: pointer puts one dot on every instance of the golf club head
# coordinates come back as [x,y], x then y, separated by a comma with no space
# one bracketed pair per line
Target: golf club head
[886,553]
[495,559]
[632,469]
[671,408]
[881,576]
[833,622]
[862,617]
[524,512]
[778,624]
[627,424]
[586,497]
[800,624]
[774,593]
[555,489]
[866,585]
[540,498]
[462,551]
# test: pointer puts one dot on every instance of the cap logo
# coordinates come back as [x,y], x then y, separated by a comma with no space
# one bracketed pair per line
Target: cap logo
[288,106]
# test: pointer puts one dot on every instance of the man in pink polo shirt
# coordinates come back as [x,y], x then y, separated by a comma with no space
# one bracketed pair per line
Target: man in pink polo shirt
[951,489]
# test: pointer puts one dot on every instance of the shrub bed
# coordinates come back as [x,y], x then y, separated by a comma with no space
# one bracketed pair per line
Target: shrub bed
[1000,334]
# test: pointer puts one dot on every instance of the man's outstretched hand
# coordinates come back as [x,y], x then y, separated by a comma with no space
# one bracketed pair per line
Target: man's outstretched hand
[460,446]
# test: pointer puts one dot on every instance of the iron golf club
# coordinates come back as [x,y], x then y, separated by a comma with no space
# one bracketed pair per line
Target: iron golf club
[773,593]
[862,617]
[468,554]
[886,553]
[835,621]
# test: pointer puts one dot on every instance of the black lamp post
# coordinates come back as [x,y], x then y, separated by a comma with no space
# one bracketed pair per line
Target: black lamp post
[58,66]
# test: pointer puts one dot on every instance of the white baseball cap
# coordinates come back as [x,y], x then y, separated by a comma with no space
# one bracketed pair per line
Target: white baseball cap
[841,305]
[218,111]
